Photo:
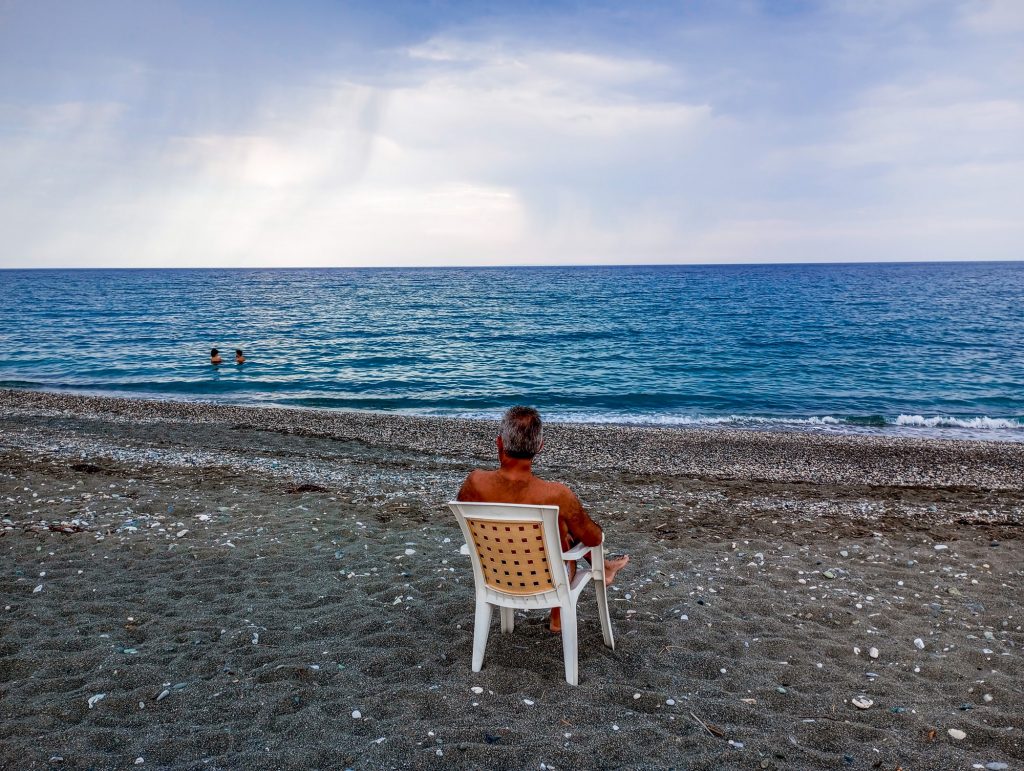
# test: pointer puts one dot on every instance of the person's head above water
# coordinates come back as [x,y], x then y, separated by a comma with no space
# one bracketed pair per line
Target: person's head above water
[238,352]
[214,352]
[522,433]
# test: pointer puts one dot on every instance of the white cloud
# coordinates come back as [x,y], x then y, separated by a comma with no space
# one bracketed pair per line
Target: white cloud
[999,17]
[482,150]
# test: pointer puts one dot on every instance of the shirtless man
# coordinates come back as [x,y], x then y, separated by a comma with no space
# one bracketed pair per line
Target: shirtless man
[520,440]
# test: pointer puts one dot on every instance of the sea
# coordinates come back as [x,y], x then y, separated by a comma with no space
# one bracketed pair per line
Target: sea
[916,349]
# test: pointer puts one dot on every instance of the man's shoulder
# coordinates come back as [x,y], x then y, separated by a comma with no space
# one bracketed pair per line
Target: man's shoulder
[479,474]
[473,484]
[556,491]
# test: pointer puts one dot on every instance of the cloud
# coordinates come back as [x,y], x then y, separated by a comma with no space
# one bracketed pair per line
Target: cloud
[701,144]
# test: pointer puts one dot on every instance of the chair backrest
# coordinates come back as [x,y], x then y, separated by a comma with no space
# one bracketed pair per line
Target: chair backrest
[511,546]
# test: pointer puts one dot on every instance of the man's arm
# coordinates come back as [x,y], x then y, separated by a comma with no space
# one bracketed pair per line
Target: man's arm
[582,528]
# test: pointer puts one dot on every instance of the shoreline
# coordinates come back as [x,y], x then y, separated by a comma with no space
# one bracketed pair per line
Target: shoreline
[982,428]
[237,583]
[701,452]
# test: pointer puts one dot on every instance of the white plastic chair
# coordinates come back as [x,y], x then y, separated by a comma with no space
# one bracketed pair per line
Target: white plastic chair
[511,546]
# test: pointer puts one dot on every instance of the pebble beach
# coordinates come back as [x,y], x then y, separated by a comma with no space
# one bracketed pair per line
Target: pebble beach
[198,586]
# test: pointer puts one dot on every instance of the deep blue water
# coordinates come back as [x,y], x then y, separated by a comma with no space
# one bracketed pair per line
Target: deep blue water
[910,348]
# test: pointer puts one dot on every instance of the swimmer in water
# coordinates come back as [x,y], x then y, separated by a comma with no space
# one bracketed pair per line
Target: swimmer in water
[239,358]
[215,356]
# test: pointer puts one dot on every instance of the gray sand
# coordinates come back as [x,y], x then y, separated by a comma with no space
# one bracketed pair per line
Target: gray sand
[252,564]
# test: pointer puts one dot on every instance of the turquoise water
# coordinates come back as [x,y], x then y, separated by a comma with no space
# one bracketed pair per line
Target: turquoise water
[908,348]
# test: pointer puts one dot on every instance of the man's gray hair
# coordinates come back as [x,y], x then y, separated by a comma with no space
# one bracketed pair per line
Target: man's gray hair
[521,432]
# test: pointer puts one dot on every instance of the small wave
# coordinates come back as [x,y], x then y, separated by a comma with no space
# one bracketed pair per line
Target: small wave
[941,421]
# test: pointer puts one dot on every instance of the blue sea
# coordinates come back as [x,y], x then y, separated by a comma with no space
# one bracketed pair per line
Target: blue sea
[916,349]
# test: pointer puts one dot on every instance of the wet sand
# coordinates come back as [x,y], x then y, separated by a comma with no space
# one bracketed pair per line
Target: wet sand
[237,583]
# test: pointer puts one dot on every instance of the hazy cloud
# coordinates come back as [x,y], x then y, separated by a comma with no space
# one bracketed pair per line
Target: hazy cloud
[843,131]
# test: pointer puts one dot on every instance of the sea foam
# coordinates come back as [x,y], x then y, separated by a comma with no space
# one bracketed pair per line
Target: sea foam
[942,421]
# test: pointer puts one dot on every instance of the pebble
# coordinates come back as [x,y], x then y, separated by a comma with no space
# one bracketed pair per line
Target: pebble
[477,689]
[464,550]
[181,533]
[528,702]
[919,644]
[862,702]
[139,761]
[829,574]
[957,734]
[37,589]
[844,553]
[636,695]
[356,714]
[987,697]
[940,547]
[163,694]
[996,766]
[409,552]
[94,699]
[873,653]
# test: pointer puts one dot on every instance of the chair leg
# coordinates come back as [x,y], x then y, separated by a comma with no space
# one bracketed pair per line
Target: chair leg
[508,620]
[481,628]
[602,611]
[572,674]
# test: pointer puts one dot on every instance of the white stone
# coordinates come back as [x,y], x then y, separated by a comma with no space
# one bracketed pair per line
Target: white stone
[464,550]
[940,547]
[356,714]
[528,702]
[919,644]
[409,552]
[862,702]
[957,734]
[477,689]
[873,653]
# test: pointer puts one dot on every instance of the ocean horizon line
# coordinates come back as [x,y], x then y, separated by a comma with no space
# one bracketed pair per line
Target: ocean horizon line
[508,266]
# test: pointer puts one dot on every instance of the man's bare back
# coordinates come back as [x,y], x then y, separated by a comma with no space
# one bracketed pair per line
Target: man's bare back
[501,487]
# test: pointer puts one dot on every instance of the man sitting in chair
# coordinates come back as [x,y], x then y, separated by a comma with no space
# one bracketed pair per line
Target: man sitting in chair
[520,440]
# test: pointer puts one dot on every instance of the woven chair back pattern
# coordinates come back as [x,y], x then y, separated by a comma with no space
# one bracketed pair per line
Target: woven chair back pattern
[512,555]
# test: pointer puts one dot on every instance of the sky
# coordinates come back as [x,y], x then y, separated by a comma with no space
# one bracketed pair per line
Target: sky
[136,133]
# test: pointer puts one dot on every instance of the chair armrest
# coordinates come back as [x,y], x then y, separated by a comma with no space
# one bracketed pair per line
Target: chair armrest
[580,550]
[577,552]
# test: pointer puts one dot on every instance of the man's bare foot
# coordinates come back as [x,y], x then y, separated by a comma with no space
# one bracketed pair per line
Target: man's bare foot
[613,566]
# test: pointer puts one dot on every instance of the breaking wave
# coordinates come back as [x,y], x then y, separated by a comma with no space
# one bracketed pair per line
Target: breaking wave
[941,421]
